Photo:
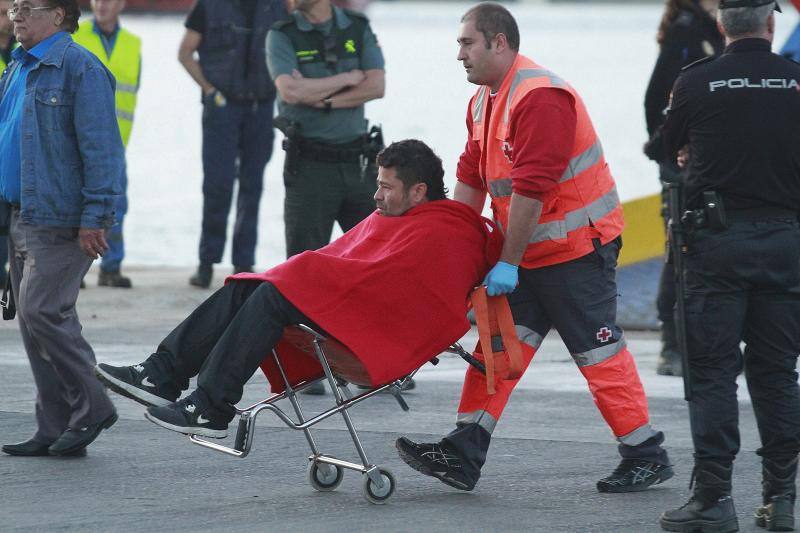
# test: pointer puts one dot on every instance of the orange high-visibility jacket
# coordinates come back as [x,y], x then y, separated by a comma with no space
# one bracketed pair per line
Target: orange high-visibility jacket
[583,206]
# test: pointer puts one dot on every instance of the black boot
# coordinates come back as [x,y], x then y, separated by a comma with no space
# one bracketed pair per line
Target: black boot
[710,508]
[202,278]
[778,490]
[113,279]
[669,361]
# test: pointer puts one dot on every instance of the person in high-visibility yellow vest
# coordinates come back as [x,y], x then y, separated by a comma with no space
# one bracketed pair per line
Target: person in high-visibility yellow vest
[7,41]
[121,52]
[7,44]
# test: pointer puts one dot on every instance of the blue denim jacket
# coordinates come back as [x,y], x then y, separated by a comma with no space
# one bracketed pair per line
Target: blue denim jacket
[71,151]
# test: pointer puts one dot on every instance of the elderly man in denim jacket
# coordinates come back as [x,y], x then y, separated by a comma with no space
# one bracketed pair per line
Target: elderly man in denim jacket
[61,162]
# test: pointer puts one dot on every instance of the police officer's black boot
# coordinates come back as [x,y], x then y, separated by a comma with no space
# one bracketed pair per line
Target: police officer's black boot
[778,490]
[669,361]
[202,278]
[710,507]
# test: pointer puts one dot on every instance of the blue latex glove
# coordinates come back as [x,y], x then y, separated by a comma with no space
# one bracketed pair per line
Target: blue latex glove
[502,279]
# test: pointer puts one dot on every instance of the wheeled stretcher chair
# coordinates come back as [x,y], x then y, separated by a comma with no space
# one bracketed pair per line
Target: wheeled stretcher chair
[303,357]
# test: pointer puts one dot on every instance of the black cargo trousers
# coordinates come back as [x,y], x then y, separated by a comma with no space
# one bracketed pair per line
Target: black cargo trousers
[743,285]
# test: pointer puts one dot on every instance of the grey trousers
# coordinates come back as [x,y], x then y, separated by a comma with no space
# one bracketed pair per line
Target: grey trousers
[46,268]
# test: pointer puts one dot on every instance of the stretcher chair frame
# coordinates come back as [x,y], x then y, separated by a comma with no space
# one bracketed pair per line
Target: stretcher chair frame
[325,471]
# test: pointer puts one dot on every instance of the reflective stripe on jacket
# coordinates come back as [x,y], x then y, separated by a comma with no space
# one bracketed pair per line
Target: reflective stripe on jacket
[583,206]
[124,63]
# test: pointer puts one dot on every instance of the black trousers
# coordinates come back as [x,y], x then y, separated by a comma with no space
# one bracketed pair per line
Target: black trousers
[237,144]
[579,299]
[223,342]
[743,284]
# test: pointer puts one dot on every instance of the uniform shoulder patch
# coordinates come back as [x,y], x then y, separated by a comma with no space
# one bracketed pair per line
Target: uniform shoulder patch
[699,62]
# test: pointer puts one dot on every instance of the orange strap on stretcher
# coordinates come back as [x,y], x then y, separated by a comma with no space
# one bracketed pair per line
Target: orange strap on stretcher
[493,318]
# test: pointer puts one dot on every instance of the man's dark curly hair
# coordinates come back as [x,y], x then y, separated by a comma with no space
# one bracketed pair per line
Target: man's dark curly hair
[414,162]
[71,13]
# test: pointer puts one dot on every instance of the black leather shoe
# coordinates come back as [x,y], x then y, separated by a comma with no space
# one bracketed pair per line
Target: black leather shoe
[113,279]
[202,278]
[75,439]
[32,448]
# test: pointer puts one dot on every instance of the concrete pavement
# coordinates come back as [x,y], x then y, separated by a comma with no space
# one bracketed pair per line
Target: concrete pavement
[549,449]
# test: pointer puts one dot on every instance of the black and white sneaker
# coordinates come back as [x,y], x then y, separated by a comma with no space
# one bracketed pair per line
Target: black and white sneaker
[436,460]
[634,475]
[133,382]
[186,417]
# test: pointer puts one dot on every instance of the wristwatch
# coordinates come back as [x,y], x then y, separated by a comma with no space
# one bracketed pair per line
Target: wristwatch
[328,104]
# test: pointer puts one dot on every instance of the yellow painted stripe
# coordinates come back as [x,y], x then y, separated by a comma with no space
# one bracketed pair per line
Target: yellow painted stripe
[643,237]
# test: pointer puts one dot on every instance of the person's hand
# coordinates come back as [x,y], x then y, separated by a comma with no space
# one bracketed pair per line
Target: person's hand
[654,147]
[683,156]
[355,76]
[501,279]
[92,241]
[212,96]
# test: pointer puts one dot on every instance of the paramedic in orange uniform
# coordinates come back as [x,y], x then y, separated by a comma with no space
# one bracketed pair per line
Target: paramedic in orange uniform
[533,149]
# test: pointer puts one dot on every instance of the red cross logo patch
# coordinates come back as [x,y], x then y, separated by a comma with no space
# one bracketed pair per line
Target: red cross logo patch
[604,334]
[508,151]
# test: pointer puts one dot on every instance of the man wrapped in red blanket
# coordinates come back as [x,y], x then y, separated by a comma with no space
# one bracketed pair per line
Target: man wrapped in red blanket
[394,290]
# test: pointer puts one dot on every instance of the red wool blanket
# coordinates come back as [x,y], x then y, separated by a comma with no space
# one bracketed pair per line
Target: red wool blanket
[393,290]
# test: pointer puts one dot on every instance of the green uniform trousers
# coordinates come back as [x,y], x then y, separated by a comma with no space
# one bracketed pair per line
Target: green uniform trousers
[321,193]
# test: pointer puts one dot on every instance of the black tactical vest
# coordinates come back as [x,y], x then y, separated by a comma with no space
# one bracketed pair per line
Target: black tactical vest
[232,56]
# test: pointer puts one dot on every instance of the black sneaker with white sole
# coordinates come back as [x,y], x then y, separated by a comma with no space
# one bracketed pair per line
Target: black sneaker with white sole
[186,417]
[435,459]
[634,475]
[133,382]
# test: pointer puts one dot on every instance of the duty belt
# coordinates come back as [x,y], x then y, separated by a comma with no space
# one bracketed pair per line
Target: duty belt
[699,218]
[330,153]
[760,213]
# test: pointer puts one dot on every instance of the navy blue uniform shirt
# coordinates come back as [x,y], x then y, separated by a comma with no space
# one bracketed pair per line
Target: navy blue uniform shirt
[740,115]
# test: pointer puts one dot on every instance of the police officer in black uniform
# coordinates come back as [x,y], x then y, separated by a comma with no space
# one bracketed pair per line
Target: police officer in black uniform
[738,116]
[223,51]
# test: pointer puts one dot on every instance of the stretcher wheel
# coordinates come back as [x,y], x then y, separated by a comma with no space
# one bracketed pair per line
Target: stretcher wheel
[379,495]
[325,477]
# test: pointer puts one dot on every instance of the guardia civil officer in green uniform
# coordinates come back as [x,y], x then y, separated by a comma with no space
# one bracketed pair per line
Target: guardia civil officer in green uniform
[326,64]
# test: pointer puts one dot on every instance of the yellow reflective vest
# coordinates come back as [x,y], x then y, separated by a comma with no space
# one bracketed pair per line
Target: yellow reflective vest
[124,63]
[3,64]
